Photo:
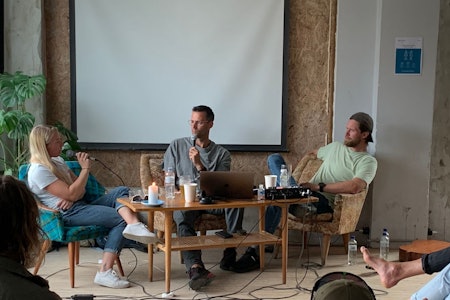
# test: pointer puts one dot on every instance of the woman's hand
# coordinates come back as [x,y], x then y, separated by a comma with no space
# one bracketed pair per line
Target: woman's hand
[83,160]
[64,204]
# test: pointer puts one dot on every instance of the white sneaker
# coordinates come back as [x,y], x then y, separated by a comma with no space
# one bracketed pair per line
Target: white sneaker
[139,232]
[110,279]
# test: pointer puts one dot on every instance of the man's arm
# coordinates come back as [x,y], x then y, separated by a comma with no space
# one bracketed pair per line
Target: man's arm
[353,186]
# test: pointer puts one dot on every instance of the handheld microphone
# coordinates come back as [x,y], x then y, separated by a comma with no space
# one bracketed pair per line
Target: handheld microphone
[71,153]
[193,139]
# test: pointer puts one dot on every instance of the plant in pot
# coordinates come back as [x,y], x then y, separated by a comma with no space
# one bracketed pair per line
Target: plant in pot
[15,121]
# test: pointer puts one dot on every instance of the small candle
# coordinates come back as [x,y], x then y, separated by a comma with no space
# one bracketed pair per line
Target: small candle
[153,193]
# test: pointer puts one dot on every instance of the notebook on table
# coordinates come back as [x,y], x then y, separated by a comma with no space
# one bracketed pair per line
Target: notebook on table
[228,185]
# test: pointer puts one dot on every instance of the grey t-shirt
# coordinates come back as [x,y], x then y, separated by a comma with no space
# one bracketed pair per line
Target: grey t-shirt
[214,158]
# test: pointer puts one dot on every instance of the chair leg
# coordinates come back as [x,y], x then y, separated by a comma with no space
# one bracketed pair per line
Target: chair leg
[45,245]
[72,250]
[346,239]
[119,266]
[325,248]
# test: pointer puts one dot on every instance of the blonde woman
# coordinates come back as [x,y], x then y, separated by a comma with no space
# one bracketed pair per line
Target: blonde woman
[59,188]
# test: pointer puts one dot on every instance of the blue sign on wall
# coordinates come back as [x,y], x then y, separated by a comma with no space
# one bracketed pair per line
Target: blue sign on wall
[408,61]
[408,55]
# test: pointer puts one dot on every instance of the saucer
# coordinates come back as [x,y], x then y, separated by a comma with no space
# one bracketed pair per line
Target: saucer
[158,203]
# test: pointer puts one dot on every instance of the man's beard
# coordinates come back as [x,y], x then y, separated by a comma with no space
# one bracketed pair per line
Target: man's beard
[352,142]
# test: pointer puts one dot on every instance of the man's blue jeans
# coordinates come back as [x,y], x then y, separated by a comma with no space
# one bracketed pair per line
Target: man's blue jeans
[273,213]
[437,288]
[103,212]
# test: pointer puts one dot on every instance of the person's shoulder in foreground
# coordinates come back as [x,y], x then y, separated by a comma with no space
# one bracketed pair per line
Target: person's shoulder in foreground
[19,248]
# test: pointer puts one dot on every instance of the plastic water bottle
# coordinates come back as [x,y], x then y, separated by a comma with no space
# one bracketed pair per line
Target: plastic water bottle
[352,250]
[284,177]
[261,192]
[384,244]
[169,183]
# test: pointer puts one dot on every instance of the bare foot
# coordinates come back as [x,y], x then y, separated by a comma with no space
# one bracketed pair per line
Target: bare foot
[387,270]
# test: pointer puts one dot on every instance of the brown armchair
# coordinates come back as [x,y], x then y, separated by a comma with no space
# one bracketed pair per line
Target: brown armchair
[342,221]
[151,171]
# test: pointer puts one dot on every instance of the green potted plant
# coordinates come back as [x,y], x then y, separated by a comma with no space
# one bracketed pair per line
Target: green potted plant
[70,141]
[15,121]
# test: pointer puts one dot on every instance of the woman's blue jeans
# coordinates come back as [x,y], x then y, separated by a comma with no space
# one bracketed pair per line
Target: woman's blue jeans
[103,212]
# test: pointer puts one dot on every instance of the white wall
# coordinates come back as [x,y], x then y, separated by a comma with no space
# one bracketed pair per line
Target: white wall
[402,105]
[23,40]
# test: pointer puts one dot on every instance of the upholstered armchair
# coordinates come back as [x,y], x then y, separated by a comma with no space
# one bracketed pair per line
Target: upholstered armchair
[342,221]
[54,229]
[151,171]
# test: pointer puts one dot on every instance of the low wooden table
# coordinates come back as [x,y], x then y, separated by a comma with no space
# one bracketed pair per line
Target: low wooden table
[212,241]
[418,248]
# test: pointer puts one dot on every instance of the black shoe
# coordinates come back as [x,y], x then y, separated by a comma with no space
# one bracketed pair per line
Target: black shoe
[248,262]
[199,277]
[229,259]
[269,248]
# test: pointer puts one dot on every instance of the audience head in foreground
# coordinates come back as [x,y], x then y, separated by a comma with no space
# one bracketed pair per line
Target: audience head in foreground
[341,286]
[20,243]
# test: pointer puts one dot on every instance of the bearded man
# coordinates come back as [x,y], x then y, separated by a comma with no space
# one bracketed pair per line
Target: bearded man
[347,168]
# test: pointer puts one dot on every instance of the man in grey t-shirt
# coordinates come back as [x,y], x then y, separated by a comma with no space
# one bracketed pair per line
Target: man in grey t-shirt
[190,156]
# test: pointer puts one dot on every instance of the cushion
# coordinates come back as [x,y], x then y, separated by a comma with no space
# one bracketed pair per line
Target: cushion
[93,188]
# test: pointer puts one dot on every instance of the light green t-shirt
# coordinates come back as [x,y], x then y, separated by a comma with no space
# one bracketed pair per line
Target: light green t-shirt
[341,163]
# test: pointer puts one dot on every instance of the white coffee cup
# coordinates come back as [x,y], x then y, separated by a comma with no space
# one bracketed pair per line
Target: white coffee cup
[270,181]
[190,192]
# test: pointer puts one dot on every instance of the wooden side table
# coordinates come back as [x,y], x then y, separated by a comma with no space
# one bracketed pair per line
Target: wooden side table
[418,248]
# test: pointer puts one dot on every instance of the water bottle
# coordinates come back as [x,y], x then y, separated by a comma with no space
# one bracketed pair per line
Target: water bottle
[352,250]
[384,244]
[169,183]
[284,177]
[261,192]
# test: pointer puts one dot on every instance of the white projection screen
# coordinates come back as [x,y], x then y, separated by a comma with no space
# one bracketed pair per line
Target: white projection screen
[139,66]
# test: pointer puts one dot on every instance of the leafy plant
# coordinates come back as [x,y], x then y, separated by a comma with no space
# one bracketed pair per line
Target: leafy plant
[15,121]
[70,143]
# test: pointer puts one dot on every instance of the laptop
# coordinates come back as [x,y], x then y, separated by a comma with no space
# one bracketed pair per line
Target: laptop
[228,185]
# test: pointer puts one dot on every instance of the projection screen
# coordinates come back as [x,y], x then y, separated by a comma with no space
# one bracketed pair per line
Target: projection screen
[139,66]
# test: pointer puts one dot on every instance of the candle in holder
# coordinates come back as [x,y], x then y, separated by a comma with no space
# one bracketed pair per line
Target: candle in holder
[153,193]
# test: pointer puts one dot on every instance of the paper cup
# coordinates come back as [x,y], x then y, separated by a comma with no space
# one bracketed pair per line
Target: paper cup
[184,179]
[190,192]
[270,181]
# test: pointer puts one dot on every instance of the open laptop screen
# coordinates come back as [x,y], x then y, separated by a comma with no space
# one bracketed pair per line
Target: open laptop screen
[230,185]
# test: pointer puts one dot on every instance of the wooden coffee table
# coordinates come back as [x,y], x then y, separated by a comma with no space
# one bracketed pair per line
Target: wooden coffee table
[212,241]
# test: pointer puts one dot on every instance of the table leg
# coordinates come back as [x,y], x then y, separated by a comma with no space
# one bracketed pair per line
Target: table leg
[284,242]
[150,218]
[262,213]
[168,246]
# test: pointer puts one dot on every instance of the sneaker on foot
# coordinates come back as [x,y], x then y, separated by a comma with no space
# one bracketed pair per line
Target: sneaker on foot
[229,259]
[110,279]
[199,277]
[248,262]
[139,232]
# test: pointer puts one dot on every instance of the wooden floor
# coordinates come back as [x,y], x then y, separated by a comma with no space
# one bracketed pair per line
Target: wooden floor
[227,285]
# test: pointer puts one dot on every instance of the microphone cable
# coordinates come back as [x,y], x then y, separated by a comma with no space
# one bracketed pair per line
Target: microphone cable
[109,169]
[70,153]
